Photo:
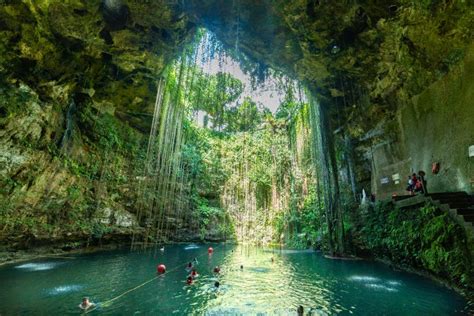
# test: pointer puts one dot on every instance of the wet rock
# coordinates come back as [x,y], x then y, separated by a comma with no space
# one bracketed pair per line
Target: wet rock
[124,219]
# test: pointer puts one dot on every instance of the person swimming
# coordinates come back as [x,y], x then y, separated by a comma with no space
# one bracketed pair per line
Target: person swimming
[241,267]
[216,284]
[217,269]
[189,280]
[189,267]
[195,261]
[86,304]
[300,310]
[194,274]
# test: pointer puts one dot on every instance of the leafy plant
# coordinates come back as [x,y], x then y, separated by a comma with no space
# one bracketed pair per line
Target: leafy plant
[425,238]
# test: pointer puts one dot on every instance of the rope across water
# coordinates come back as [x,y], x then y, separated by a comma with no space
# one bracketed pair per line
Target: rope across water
[108,302]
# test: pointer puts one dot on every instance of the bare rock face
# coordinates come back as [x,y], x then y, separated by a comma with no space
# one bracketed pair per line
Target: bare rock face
[118,217]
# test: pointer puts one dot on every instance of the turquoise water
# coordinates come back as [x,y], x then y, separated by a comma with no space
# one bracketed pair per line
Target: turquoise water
[56,286]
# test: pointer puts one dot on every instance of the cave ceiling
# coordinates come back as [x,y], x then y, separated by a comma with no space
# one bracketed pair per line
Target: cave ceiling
[345,51]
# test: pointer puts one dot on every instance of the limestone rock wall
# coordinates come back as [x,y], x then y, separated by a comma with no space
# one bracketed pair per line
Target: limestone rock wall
[435,126]
[75,80]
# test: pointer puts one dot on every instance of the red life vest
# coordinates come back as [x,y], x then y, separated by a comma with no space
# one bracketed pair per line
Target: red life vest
[418,184]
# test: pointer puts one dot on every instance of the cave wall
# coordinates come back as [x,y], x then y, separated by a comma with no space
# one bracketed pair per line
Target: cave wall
[77,81]
[435,126]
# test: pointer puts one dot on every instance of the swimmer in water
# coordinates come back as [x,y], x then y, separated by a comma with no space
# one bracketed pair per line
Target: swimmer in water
[189,267]
[273,260]
[86,304]
[189,280]
[217,269]
[216,284]
[241,267]
[300,310]
[194,274]
[195,261]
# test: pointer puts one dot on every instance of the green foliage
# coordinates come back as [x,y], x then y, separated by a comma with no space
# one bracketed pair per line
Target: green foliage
[424,238]
[98,230]
[14,101]
[213,218]
[308,222]
[311,216]
[244,117]
[213,94]
[107,132]
[251,163]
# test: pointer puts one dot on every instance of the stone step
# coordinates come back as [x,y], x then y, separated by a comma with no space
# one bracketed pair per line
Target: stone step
[455,200]
[457,204]
[456,197]
[465,211]
[402,197]
[466,200]
[447,195]
[412,202]
[469,218]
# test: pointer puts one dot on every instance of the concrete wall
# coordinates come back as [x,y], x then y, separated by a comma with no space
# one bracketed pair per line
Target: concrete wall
[436,126]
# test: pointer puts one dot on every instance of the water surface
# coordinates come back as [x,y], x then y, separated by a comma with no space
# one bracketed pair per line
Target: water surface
[263,286]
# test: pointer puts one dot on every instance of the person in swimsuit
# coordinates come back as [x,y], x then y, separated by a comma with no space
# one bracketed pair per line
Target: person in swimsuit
[194,273]
[189,267]
[300,310]
[189,280]
[86,304]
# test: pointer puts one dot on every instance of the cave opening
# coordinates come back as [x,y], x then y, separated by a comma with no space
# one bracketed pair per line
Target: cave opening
[238,146]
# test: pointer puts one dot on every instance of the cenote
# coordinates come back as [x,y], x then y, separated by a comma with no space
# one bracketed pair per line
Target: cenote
[340,131]
[263,286]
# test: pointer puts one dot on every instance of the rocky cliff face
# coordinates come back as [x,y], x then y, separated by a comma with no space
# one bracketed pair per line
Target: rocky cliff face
[78,79]
[436,126]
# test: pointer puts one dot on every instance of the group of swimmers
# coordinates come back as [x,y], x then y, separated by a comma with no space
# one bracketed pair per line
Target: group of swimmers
[191,269]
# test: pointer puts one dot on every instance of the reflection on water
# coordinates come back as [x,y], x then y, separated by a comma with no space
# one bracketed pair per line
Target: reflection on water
[376,283]
[381,287]
[273,287]
[362,278]
[65,289]
[40,266]
[263,286]
[191,247]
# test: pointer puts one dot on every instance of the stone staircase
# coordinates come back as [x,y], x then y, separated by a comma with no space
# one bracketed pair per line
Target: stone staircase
[459,204]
